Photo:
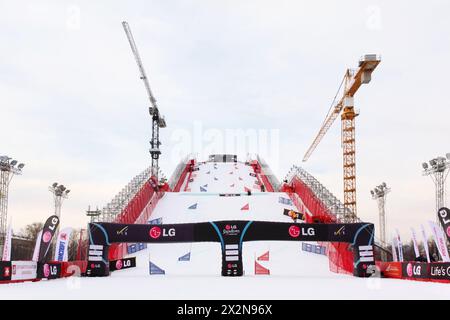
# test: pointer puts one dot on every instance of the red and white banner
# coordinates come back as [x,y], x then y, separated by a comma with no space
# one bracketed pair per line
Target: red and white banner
[36,246]
[425,242]
[416,246]
[400,246]
[394,249]
[439,239]
[62,244]
[7,245]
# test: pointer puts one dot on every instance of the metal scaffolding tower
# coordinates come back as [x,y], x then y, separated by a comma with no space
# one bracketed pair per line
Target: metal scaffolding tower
[121,200]
[8,168]
[438,170]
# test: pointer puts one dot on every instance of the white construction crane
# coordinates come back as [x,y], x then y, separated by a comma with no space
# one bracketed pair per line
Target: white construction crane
[158,121]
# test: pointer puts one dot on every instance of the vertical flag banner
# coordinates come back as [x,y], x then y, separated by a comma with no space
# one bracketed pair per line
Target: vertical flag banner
[394,249]
[444,219]
[36,246]
[48,232]
[62,244]
[7,245]
[440,241]
[400,246]
[425,242]
[416,247]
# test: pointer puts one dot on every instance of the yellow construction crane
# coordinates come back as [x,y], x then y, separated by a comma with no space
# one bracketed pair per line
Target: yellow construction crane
[353,79]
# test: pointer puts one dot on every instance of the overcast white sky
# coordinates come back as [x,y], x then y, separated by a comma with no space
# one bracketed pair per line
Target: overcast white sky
[74,110]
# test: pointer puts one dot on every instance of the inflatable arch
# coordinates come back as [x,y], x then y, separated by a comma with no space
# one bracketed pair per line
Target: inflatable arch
[231,235]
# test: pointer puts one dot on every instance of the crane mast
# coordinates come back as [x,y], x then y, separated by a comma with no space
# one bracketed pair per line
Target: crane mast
[158,121]
[353,79]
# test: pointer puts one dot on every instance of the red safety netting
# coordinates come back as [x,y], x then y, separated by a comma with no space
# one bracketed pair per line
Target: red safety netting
[261,177]
[138,210]
[340,255]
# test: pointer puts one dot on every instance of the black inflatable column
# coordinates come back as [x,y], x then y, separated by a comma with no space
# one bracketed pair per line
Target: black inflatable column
[231,234]
[363,251]
[98,249]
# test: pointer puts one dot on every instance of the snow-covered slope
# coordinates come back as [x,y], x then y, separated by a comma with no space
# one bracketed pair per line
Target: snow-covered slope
[294,274]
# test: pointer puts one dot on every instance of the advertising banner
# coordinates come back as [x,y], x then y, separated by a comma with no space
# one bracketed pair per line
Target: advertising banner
[440,271]
[425,242]
[394,249]
[7,245]
[36,246]
[417,270]
[440,241]
[62,244]
[23,270]
[49,270]
[48,232]
[399,246]
[444,219]
[124,263]
[416,246]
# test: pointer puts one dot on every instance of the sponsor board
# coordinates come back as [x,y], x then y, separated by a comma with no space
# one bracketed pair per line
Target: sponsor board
[49,270]
[120,264]
[23,270]
[415,270]
[439,271]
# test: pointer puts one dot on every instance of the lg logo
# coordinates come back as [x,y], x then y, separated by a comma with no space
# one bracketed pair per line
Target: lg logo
[296,231]
[413,270]
[156,232]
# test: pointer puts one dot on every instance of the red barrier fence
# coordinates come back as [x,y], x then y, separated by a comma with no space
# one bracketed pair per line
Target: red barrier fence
[138,210]
[418,271]
[261,177]
[187,170]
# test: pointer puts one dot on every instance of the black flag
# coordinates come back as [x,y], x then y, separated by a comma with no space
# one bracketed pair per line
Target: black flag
[444,218]
[48,232]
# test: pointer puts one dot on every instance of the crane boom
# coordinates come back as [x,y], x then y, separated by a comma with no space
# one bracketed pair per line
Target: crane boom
[353,81]
[135,51]
[158,121]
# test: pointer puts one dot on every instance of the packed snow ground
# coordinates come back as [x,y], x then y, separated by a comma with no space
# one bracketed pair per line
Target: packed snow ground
[294,274]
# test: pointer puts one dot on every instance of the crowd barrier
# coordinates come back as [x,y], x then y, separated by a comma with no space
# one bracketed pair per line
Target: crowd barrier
[21,271]
[419,271]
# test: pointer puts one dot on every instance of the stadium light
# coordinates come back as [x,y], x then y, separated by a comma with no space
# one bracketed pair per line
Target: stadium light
[438,171]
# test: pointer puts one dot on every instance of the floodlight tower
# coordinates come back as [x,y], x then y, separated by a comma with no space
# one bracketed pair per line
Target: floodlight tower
[379,193]
[60,192]
[8,168]
[438,170]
